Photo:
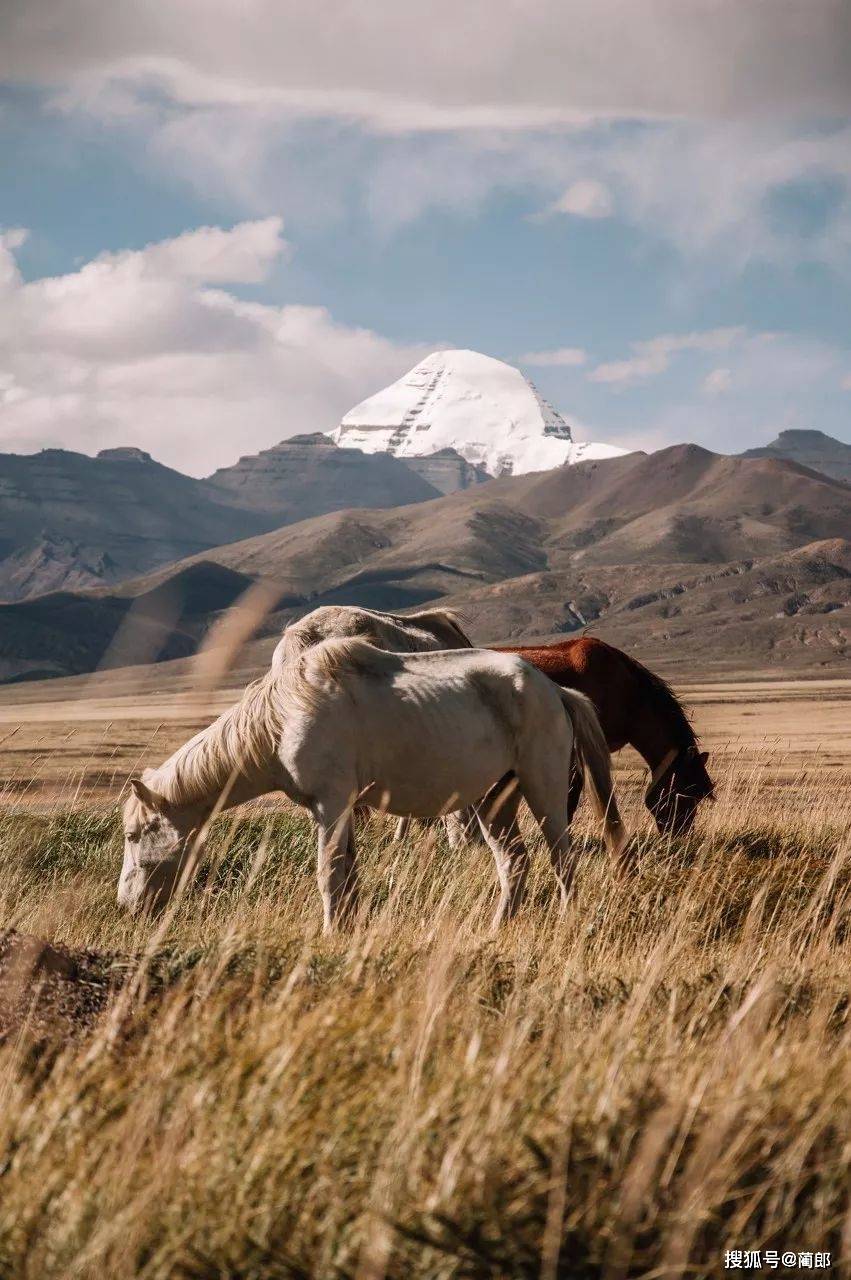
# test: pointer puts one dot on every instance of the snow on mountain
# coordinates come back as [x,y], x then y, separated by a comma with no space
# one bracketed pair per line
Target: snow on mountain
[481,407]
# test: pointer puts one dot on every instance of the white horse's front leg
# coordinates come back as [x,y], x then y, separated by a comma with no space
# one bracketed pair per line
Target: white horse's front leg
[336,865]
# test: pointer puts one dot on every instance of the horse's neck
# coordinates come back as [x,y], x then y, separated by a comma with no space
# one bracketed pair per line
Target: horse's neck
[239,788]
[216,775]
[652,736]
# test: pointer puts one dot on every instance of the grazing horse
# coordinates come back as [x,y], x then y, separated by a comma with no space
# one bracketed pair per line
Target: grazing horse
[422,632]
[635,706]
[348,724]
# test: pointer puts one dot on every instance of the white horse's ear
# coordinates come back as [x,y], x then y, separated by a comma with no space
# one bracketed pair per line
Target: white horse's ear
[146,795]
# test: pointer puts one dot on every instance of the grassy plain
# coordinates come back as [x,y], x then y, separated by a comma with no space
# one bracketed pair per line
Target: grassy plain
[629,1089]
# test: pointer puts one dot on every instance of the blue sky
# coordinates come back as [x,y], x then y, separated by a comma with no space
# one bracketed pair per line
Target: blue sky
[224,229]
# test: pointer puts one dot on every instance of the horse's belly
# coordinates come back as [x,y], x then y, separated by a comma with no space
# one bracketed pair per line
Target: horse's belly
[423,783]
[445,796]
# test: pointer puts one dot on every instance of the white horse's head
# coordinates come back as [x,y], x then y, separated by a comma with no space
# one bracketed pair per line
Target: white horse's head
[159,838]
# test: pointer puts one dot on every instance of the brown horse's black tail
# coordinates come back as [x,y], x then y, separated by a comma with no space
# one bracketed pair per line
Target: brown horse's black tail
[592,754]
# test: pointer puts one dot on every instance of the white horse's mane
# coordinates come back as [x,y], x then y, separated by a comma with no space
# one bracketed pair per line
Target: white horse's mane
[242,737]
[245,736]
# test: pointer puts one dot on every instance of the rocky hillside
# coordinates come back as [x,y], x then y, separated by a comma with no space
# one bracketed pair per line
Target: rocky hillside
[680,505]
[789,611]
[693,554]
[309,475]
[446,470]
[811,449]
[68,521]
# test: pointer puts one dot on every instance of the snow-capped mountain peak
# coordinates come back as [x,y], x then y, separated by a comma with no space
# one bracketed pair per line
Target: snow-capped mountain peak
[483,408]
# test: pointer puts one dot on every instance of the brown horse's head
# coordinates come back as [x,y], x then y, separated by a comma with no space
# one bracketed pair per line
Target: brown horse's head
[673,798]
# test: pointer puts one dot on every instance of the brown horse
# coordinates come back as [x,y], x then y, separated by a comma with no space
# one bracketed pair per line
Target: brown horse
[635,706]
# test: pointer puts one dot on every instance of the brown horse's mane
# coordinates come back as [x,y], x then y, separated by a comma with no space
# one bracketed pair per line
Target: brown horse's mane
[663,698]
[571,655]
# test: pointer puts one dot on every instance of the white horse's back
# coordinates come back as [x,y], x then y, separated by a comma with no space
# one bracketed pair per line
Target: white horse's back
[422,734]
[427,630]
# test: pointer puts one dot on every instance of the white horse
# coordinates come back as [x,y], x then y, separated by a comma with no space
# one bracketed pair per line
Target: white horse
[422,632]
[417,734]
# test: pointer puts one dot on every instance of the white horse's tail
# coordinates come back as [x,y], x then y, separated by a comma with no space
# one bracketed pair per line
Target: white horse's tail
[593,756]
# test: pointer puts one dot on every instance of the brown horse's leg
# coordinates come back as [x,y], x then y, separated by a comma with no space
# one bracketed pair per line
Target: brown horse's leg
[461,828]
[403,828]
[498,819]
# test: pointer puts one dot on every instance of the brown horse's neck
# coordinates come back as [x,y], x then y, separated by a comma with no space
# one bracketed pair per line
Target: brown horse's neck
[651,737]
[658,728]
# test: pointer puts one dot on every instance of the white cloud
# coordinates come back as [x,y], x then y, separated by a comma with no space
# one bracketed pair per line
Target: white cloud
[14,237]
[653,356]
[776,381]
[718,190]
[561,357]
[136,347]
[717,381]
[585,198]
[709,188]
[720,116]
[784,364]
[213,255]
[469,63]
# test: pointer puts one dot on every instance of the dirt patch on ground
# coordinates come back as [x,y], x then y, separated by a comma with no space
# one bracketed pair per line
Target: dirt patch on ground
[52,992]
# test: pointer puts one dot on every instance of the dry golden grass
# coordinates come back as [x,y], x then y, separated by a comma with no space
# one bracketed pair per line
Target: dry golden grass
[73,742]
[629,1089]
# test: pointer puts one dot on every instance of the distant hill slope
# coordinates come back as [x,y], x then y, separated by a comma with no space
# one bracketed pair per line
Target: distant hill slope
[680,505]
[68,633]
[308,475]
[784,612]
[677,544]
[68,521]
[811,449]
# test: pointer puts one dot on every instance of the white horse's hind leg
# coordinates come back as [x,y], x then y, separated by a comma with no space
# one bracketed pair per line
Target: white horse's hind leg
[336,864]
[562,853]
[402,828]
[545,797]
[544,786]
[498,820]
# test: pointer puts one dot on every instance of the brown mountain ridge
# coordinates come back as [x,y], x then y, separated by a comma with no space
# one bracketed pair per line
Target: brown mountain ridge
[69,521]
[660,550]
